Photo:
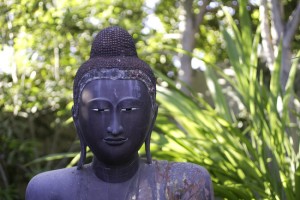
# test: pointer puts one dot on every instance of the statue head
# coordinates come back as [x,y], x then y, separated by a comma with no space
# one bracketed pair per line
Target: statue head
[114,99]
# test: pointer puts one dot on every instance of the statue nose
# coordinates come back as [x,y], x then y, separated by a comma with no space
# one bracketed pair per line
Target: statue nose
[115,130]
[115,127]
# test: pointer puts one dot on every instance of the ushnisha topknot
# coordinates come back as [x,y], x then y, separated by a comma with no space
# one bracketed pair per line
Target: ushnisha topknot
[113,41]
[113,56]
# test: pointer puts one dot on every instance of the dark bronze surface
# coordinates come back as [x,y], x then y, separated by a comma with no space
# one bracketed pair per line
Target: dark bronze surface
[114,114]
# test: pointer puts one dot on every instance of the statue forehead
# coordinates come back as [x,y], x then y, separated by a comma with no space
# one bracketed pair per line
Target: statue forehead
[114,74]
[114,89]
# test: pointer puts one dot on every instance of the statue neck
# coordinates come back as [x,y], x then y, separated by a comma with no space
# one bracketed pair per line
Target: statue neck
[116,173]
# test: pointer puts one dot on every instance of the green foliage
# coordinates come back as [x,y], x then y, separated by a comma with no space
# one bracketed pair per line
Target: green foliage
[249,154]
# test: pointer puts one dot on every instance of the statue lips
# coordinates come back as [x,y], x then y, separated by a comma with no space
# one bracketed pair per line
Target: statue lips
[115,140]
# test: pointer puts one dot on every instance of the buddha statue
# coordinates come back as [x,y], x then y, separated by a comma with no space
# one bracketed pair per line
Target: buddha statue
[114,113]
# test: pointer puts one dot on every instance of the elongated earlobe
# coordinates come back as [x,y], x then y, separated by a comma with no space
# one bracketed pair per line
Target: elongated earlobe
[147,148]
[82,155]
[82,142]
[148,137]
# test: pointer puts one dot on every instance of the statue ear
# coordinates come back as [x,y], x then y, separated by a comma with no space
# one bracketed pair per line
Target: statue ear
[148,137]
[82,141]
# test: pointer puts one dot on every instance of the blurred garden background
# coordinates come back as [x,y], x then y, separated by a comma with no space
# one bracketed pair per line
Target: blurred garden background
[228,82]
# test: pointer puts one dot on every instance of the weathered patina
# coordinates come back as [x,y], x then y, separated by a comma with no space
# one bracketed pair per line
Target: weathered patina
[114,113]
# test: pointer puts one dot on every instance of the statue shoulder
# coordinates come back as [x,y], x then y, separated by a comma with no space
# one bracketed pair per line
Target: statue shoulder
[51,184]
[191,180]
[191,171]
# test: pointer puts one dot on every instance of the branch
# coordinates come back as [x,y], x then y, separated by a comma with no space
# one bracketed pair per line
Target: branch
[292,26]
[199,17]
[4,178]
[265,34]
[276,22]
[188,33]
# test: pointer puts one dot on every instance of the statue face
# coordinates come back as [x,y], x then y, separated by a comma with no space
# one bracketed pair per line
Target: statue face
[114,118]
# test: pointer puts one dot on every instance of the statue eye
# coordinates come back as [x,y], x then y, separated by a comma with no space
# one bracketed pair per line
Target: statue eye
[100,109]
[128,109]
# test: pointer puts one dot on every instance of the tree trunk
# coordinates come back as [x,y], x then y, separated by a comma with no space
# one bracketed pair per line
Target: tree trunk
[285,65]
[192,23]
[285,32]
[288,35]
[268,51]
[279,30]
[187,42]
